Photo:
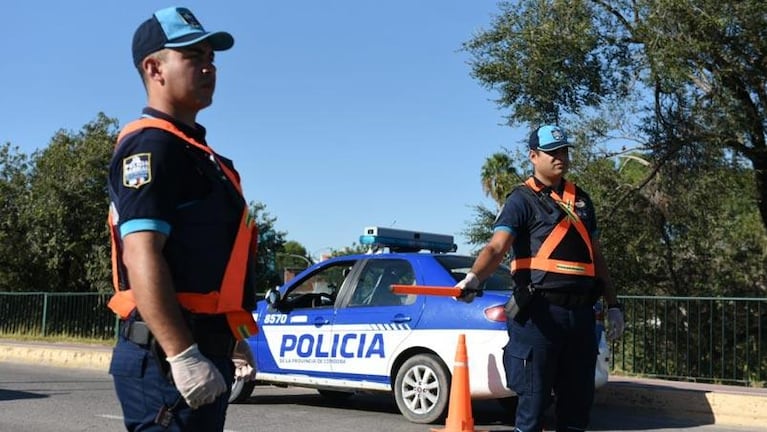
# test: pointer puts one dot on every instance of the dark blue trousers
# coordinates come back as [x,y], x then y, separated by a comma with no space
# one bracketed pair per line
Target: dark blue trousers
[555,349]
[143,391]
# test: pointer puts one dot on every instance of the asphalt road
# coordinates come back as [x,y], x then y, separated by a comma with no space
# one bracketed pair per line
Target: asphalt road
[47,399]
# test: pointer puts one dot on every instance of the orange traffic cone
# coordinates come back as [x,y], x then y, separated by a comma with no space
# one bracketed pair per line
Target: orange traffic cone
[459,418]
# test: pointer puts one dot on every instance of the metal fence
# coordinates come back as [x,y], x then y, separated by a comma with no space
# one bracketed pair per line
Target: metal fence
[708,339]
[75,315]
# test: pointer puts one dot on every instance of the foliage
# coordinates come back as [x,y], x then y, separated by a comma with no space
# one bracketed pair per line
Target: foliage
[53,231]
[293,255]
[675,75]
[354,249]
[270,241]
[62,212]
[14,174]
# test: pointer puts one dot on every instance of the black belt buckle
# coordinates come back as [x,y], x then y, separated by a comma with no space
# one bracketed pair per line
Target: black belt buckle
[137,332]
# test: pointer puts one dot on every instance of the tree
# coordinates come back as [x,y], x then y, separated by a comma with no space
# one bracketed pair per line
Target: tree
[14,258]
[270,242]
[674,73]
[64,215]
[354,249]
[499,176]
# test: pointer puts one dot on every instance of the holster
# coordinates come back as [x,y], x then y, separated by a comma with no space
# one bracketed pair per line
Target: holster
[519,301]
[598,290]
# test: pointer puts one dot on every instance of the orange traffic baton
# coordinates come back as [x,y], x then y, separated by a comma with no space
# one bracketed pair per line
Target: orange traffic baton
[446,291]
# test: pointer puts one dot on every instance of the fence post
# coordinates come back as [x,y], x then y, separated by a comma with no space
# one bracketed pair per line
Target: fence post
[45,312]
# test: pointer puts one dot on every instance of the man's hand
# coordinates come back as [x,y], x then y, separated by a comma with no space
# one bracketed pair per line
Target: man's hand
[244,363]
[197,379]
[615,323]
[469,288]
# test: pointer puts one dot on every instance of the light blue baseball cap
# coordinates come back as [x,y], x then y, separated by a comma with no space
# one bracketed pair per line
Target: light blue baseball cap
[174,27]
[548,138]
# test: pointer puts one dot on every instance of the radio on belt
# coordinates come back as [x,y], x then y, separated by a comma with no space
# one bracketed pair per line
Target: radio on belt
[398,240]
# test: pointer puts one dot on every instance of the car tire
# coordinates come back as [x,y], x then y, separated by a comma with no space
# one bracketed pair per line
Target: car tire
[335,395]
[241,391]
[422,389]
[509,406]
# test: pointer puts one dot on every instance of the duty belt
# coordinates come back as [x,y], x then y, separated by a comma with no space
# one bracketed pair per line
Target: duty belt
[567,299]
[209,343]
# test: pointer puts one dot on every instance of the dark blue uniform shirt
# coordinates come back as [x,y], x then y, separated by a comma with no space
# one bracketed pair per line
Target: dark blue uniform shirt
[159,182]
[521,215]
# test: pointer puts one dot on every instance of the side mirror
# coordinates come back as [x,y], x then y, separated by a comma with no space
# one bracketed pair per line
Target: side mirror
[272,296]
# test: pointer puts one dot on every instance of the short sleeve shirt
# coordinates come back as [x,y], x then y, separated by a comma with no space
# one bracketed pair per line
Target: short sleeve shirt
[152,174]
[517,214]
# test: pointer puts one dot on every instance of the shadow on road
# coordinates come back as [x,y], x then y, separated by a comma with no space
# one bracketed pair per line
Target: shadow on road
[8,395]
[490,414]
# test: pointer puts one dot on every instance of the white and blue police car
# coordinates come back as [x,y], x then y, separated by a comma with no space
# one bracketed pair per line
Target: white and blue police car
[338,327]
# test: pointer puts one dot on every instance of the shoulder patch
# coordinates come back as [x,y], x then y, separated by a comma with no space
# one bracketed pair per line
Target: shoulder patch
[137,170]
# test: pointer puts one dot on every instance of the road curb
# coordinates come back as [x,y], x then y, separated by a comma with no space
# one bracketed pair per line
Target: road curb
[64,355]
[712,404]
[709,404]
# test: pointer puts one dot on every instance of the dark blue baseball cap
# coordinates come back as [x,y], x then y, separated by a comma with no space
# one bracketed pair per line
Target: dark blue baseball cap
[174,27]
[548,138]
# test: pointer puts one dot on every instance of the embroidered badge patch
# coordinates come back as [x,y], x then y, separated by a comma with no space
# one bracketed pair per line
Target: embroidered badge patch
[137,170]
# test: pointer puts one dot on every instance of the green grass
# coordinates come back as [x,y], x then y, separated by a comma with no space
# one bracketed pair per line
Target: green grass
[59,338]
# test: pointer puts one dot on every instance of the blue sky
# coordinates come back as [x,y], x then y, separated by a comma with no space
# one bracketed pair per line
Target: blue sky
[339,114]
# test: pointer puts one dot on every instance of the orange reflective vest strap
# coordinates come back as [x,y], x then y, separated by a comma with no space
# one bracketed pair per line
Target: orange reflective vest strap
[150,122]
[229,300]
[241,322]
[122,303]
[232,285]
[542,261]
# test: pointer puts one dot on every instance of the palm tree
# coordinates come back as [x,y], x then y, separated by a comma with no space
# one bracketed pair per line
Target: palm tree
[498,177]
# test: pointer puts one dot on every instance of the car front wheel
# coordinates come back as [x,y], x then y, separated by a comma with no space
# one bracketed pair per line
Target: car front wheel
[241,391]
[422,389]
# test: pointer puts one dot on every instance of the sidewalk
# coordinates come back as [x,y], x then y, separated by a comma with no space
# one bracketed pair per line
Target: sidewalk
[708,403]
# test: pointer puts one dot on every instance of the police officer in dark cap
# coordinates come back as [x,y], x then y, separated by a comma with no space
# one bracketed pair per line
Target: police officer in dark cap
[182,240]
[549,227]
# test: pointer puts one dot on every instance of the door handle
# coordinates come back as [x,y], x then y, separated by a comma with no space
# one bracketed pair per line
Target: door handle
[399,318]
[320,321]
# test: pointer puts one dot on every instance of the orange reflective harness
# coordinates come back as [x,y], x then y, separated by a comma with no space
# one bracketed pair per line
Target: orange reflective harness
[542,260]
[228,300]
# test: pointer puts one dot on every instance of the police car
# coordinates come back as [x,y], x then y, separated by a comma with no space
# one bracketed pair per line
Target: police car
[338,327]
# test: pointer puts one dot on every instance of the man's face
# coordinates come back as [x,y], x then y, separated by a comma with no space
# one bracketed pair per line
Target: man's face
[189,76]
[551,164]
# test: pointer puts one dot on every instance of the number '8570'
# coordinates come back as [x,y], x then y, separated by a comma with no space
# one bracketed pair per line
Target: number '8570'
[275,319]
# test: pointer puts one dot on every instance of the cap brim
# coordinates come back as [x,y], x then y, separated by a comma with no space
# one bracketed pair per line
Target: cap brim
[219,41]
[554,146]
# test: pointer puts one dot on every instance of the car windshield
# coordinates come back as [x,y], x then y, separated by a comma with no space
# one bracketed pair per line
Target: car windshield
[460,265]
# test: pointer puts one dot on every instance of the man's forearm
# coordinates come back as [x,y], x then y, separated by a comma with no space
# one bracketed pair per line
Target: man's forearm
[152,287]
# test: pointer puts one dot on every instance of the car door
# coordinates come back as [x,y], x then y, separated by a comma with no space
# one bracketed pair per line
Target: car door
[372,323]
[296,331]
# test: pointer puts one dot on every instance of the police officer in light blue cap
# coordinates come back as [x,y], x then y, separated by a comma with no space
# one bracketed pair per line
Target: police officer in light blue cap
[549,227]
[177,217]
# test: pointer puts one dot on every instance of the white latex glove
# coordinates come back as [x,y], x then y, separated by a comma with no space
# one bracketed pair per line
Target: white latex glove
[469,286]
[615,324]
[244,363]
[196,378]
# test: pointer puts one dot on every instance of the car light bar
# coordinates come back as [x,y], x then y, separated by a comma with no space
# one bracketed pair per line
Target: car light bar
[405,240]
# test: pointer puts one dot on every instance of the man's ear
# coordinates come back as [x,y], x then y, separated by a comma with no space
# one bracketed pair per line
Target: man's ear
[152,68]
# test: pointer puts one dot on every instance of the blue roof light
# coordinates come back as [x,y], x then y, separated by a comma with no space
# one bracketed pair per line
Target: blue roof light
[407,241]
